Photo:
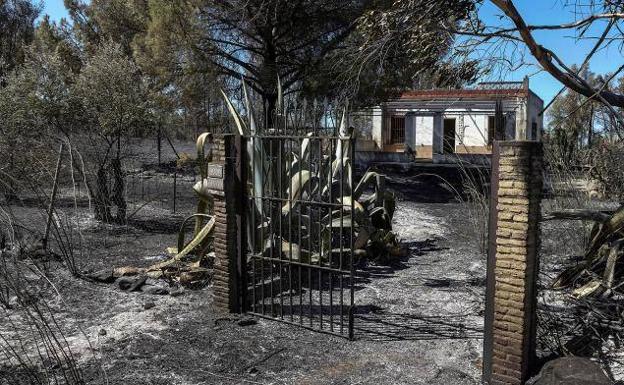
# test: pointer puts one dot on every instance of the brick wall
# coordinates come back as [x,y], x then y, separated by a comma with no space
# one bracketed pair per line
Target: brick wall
[218,147]
[226,209]
[516,243]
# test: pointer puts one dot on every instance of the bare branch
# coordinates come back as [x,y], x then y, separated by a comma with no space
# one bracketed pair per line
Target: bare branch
[551,63]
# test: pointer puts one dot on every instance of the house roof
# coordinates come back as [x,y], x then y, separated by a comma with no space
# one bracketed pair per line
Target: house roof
[470,93]
[483,90]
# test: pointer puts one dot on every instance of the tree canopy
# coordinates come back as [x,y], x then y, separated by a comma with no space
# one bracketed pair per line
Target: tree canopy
[17,18]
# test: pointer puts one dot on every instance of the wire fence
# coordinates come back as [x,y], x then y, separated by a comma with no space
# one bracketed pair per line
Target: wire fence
[165,192]
[157,204]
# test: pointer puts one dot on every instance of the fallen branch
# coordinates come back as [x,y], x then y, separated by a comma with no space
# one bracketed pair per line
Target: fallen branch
[579,214]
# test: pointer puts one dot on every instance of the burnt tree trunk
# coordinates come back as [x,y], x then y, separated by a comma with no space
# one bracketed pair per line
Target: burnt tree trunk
[118,198]
[101,197]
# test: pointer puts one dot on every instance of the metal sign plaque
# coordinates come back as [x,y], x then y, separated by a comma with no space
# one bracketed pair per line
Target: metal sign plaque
[215,170]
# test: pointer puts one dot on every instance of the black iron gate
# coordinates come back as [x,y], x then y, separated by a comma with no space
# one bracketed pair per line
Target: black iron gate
[299,228]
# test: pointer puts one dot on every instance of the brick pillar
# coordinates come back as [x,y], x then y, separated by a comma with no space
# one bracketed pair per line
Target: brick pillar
[510,325]
[224,181]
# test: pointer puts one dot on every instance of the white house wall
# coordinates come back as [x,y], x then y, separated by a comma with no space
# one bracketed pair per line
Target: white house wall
[475,130]
[535,107]
[424,131]
[424,122]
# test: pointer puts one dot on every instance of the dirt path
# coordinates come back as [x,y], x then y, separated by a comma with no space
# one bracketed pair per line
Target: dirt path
[423,327]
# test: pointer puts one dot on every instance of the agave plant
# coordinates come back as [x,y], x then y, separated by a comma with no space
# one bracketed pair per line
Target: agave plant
[312,232]
[601,273]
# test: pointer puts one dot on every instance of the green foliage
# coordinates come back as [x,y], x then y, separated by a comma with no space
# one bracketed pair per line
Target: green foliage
[316,48]
[571,125]
[364,50]
[112,92]
[607,168]
[57,39]
[577,124]
[36,106]
[17,26]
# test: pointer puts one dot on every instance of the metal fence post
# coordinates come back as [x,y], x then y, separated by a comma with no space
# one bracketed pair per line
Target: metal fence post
[175,190]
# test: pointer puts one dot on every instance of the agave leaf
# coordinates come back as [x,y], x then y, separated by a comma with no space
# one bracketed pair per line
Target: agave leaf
[314,258]
[587,289]
[254,148]
[254,151]
[299,254]
[346,210]
[199,238]
[343,151]
[280,95]
[345,133]
[335,223]
[297,184]
[289,248]
[336,252]
[342,133]
[202,189]
[335,216]
[296,165]
[201,141]
[182,249]
[601,235]
[569,275]
[240,125]
[305,146]
[250,110]
[362,238]
[336,166]
[380,219]
[201,158]
[339,163]
[389,203]
[613,225]
[609,273]
[369,200]
[367,178]
[357,207]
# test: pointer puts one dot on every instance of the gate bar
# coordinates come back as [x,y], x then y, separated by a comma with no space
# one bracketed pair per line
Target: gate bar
[241,234]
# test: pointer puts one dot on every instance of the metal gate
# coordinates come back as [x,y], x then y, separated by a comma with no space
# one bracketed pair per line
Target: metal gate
[299,228]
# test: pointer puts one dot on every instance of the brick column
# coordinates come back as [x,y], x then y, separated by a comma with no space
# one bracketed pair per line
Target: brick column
[509,345]
[224,182]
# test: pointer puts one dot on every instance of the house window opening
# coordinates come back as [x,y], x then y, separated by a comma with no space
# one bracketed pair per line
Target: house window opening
[395,132]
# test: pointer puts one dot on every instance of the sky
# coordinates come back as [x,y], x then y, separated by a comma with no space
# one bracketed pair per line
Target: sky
[55,9]
[563,43]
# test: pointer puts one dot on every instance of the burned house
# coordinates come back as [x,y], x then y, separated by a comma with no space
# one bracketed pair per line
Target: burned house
[442,125]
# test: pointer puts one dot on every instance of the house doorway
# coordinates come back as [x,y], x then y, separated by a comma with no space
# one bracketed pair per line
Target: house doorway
[449,136]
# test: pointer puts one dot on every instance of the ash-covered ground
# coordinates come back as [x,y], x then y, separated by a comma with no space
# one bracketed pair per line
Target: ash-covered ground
[424,324]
